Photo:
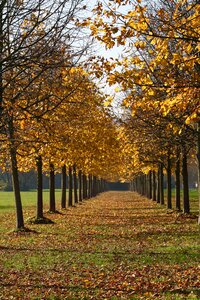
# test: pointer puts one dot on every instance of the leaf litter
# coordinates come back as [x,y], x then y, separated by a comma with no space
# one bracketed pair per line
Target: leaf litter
[117,245]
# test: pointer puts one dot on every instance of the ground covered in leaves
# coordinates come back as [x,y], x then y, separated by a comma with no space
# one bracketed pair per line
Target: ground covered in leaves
[118,245]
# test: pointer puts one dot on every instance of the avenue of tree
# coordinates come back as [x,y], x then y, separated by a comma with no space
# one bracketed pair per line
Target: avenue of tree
[158,76]
[54,118]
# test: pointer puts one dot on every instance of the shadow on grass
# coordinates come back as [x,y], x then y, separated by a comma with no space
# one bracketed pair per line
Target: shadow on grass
[100,287]
[2,207]
[172,252]
[55,212]
[138,208]
[43,220]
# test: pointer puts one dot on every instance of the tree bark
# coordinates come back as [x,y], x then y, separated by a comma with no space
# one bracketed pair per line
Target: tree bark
[154,186]
[131,185]
[158,186]
[150,184]
[198,159]
[162,201]
[85,189]
[97,186]
[70,200]
[103,185]
[80,185]
[144,184]
[83,186]
[63,187]
[39,188]
[83,180]
[75,185]
[169,188]
[52,203]
[16,188]
[186,201]
[1,55]
[15,178]
[89,186]
[178,189]
[94,186]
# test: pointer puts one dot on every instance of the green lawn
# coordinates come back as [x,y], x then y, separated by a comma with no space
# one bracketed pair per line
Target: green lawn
[29,198]
[194,201]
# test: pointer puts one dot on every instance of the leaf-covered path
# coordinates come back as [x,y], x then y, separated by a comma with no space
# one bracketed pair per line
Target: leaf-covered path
[118,245]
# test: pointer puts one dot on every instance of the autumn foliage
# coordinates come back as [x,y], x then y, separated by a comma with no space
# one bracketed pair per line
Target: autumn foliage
[53,110]
[55,118]
[157,77]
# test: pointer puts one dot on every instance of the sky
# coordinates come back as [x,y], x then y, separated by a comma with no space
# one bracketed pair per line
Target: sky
[115,52]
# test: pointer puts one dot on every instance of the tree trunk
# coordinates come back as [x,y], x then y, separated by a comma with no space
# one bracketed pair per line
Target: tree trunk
[154,186]
[89,186]
[144,184]
[52,203]
[158,186]
[80,185]
[150,184]
[178,189]
[186,202]
[85,186]
[140,184]
[15,178]
[39,188]
[83,181]
[169,188]
[70,201]
[63,187]
[137,184]
[162,201]
[103,185]
[131,185]
[98,186]
[1,52]
[147,186]
[75,185]
[198,158]
[94,186]
[16,188]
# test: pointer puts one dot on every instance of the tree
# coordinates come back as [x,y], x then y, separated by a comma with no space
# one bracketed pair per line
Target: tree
[30,33]
[163,68]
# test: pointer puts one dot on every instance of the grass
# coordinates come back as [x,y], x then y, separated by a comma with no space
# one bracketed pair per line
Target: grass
[29,198]
[118,245]
[194,201]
